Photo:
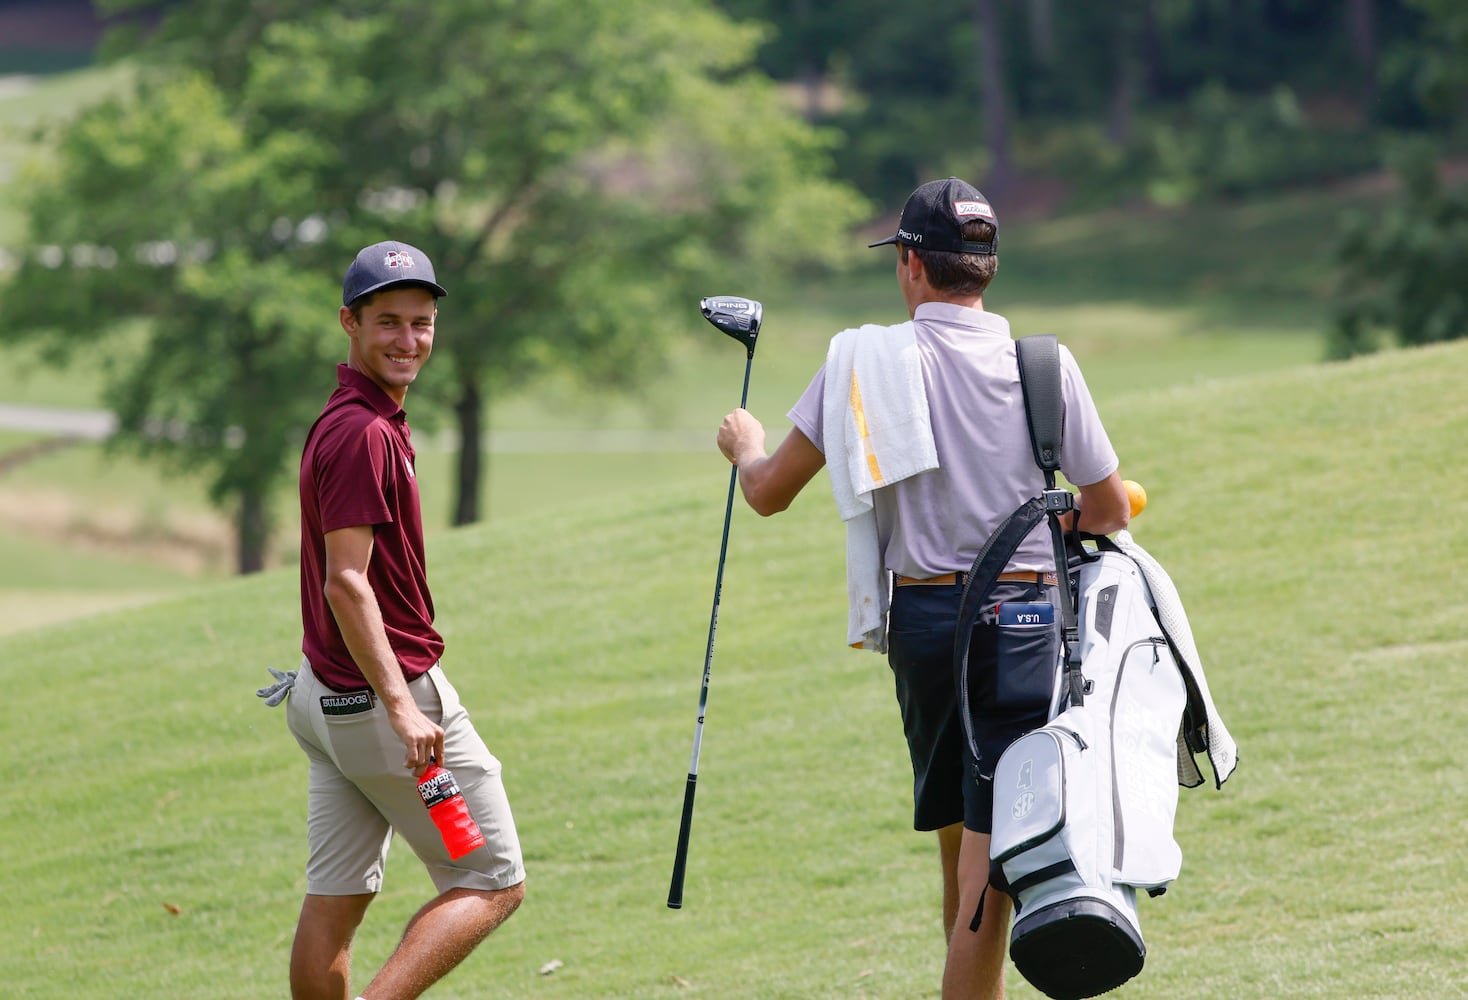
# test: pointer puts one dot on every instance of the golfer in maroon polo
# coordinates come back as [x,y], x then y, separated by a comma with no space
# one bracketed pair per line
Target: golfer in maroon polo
[370,705]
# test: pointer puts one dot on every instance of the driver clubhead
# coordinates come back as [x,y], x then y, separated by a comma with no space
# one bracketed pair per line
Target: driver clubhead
[739,318]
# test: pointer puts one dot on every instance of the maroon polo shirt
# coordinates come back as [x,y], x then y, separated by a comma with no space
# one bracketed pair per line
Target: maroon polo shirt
[357,469]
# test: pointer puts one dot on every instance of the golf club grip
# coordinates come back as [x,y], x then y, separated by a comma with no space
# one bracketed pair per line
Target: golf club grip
[680,861]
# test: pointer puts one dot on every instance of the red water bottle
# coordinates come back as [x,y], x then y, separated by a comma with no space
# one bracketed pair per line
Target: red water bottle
[447,809]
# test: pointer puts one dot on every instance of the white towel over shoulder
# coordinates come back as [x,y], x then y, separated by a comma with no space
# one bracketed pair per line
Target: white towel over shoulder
[876,432]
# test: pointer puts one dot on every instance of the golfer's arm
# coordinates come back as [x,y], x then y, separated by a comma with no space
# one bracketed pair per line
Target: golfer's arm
[771,482]
[1104,506]
[348,551]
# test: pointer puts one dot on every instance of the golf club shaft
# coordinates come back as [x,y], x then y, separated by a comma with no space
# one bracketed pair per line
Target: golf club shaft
[685,826]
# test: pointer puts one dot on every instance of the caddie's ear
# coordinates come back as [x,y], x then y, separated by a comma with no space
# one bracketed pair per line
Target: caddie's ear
[348,320]
[914,266]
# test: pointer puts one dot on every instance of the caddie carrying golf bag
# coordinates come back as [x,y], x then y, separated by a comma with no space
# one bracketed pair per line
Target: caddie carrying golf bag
[1084,805]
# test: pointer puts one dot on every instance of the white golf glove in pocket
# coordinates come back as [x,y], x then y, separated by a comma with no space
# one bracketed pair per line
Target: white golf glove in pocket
[276,693]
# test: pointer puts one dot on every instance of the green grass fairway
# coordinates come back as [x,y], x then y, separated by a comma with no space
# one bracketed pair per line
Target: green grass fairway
[555,444]
[1144,299]
[153,839]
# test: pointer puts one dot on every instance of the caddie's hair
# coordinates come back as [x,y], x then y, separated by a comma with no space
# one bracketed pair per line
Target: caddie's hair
[960,273]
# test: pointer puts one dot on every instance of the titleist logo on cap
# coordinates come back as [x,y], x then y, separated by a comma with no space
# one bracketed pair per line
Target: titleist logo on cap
[967,209]
[934,217]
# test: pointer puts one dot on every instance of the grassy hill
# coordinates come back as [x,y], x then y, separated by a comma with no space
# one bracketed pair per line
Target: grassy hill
[1144,298]
[154,845]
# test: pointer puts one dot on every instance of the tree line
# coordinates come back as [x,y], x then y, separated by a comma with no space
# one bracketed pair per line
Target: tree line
[1121,95]
[577,169]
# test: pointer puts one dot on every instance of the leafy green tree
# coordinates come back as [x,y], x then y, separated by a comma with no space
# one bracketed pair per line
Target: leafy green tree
[1401,270]
[580,172]
[159,209]
[1435,65]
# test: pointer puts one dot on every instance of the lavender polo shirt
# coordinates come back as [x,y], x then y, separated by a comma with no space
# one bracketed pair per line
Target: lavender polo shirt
[357,469]
[936,522]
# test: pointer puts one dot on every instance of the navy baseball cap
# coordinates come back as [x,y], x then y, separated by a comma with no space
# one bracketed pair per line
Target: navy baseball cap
[387,265]
[934,215]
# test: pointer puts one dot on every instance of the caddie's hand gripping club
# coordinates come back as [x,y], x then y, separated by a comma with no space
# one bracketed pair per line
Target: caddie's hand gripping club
[740,319]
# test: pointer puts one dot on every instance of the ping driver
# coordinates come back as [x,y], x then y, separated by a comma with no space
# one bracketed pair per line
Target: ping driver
[740,319]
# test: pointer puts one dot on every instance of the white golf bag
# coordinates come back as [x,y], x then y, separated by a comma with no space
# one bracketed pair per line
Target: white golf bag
[1084,806]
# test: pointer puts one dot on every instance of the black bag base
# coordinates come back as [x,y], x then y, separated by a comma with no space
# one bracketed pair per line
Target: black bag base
[1076,948]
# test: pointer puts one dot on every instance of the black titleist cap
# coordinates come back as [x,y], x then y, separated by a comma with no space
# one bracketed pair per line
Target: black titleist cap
[934,215]
[387,265]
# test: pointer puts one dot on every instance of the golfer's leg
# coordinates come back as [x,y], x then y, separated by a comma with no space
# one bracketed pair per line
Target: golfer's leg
[975,969]
[321,957]
[439,937]
[949,840]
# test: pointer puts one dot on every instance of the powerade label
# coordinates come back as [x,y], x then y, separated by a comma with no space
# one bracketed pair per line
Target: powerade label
[1026,613]
[439,788]
[352,703]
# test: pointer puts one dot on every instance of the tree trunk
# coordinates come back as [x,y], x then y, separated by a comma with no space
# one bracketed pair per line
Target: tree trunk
[1361,26]
[470,412]
[1126,64]
[1150,51]
[812,85]
[810,77]
[252,531]
[994,100]
[1042,30]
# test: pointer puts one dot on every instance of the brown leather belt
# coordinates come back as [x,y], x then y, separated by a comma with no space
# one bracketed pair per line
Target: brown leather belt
[958,579]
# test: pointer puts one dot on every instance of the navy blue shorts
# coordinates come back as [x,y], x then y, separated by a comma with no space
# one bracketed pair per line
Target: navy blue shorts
[946,785]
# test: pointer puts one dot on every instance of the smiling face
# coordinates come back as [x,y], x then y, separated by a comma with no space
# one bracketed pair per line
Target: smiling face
[391,337]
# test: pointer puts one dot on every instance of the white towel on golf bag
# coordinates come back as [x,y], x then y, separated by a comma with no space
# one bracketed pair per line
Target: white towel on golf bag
[1223,753]
[875,423]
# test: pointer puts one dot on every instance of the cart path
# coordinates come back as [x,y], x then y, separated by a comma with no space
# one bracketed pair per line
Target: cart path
[77,425]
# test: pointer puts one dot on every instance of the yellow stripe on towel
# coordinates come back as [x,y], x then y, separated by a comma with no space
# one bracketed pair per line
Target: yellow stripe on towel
[861,429]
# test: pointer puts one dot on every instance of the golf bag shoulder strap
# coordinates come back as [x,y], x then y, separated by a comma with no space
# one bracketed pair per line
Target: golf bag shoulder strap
[982,576]
[988,564]
[1038,357]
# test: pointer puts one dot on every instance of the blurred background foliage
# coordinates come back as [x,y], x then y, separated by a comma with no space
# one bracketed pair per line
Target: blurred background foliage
[581,169]
[1190,97]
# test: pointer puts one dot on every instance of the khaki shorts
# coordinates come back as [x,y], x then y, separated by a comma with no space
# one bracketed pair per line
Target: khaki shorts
[360,792]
